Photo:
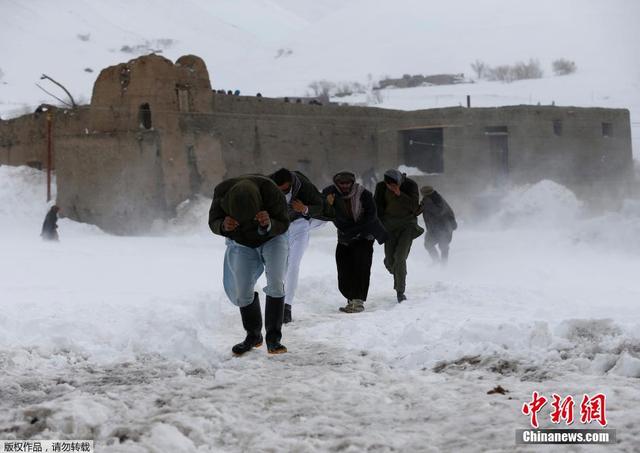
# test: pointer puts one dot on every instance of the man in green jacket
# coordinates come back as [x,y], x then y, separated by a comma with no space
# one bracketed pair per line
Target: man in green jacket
[397,200]
[251,212]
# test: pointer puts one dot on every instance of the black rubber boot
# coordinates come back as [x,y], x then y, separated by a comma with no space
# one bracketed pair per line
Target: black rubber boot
[273,317]
[287,314]
[252,323]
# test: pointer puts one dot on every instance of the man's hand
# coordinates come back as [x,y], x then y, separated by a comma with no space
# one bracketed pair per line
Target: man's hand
[395,188]
[331,198]
[263,219]
[229,224]
[299,206]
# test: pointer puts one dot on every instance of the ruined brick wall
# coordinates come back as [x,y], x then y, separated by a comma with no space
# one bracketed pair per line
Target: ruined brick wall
[23,141]
[98,183]
[114,181]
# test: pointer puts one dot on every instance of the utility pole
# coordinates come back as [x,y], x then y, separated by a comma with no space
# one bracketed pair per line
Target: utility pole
[49,155]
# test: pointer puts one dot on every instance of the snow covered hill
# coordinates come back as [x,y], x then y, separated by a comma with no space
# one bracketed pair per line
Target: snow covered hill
[278,47]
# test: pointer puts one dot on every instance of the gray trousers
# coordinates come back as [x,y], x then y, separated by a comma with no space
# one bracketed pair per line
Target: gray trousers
[440,238]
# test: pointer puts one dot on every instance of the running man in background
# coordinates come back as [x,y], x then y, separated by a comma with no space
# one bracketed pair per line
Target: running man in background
[50,225]
[440,222]
[398,203]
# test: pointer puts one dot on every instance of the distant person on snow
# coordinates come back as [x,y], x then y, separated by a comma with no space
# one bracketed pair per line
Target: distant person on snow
[50,225]
[440,222]
[303,203]
[398,202]
[251,212]
[351,208]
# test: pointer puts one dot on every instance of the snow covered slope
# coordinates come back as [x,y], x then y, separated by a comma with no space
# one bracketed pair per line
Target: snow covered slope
[278,47]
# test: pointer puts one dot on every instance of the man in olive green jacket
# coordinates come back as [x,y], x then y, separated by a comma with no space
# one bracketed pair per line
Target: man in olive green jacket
[397,200]
[251,212]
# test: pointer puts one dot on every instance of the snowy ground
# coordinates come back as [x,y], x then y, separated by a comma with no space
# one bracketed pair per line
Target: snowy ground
[127,340]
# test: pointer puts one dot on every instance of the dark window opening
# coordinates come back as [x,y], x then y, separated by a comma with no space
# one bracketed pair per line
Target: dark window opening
[424,149]
[496,130]
[607,130]
[498,151]
[557,127]
[145,116]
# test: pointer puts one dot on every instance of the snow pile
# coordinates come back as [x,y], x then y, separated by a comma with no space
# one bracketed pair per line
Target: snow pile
[599,346]
[545,203]
[619,230]
[547,210]
[424,336]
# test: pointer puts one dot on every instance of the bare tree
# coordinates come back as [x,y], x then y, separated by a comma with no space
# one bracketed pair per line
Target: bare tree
[517,71]
[348,88]
[322,88]
[562,66]
[530,70]
[501,73]
[480,68]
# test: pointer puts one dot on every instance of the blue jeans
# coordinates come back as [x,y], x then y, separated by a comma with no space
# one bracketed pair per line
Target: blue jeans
[244,265]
